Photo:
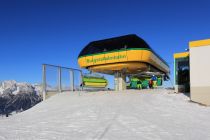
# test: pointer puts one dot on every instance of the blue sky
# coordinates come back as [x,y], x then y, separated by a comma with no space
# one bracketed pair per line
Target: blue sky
[33,32]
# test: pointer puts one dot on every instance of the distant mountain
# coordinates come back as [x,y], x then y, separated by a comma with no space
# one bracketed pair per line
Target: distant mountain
[17,97]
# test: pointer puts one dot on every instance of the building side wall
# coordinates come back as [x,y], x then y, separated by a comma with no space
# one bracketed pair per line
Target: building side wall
[201,95]
[200,74]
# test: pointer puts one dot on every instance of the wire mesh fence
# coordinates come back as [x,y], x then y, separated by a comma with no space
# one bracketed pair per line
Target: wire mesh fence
[58,79]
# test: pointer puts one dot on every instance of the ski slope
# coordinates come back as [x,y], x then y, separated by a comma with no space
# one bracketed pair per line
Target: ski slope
[109,115]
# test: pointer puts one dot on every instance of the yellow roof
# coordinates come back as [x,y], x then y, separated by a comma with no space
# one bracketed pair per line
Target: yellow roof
[199,43]
[181,55]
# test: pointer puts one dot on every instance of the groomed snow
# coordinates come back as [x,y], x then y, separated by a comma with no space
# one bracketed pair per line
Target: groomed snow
[128,115]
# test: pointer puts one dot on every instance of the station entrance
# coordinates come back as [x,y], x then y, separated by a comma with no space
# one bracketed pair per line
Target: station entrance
[182,72]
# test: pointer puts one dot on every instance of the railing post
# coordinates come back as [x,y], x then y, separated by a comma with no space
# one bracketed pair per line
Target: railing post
[44,81]
[81,81]
[59,80]
[71,80]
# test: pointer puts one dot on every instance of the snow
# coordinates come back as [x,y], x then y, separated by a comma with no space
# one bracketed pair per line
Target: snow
[132,114]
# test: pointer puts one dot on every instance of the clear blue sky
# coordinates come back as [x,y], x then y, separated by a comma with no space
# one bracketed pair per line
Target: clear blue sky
[33,32]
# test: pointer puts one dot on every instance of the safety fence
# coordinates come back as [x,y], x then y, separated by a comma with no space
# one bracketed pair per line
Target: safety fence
[57,79]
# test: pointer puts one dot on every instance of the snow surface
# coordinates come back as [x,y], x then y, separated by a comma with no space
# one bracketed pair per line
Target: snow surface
[129,115]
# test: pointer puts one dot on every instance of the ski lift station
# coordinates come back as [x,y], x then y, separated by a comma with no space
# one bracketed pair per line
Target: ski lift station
[191,71]
[125,56]
[134,64]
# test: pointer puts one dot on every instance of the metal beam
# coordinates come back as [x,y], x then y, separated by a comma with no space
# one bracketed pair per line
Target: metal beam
[44,81]
[59,80]
[71,80]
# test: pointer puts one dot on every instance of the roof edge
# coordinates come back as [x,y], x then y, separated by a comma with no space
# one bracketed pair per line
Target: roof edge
[181,55]
[199,43]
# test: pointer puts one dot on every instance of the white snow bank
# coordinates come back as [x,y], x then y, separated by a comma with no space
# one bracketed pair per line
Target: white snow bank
[145,114]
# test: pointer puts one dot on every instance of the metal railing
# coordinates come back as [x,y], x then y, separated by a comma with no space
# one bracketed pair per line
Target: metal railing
[57,79]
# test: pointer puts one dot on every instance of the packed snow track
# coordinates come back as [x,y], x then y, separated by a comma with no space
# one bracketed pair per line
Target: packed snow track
[109,115]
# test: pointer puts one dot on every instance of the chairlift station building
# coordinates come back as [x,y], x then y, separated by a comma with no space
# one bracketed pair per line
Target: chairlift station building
[130,55]
[192,70]
[122,56]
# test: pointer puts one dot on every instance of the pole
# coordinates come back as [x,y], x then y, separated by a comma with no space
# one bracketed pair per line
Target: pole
[71,80]
[81,81]
[44,81]
[59,80]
